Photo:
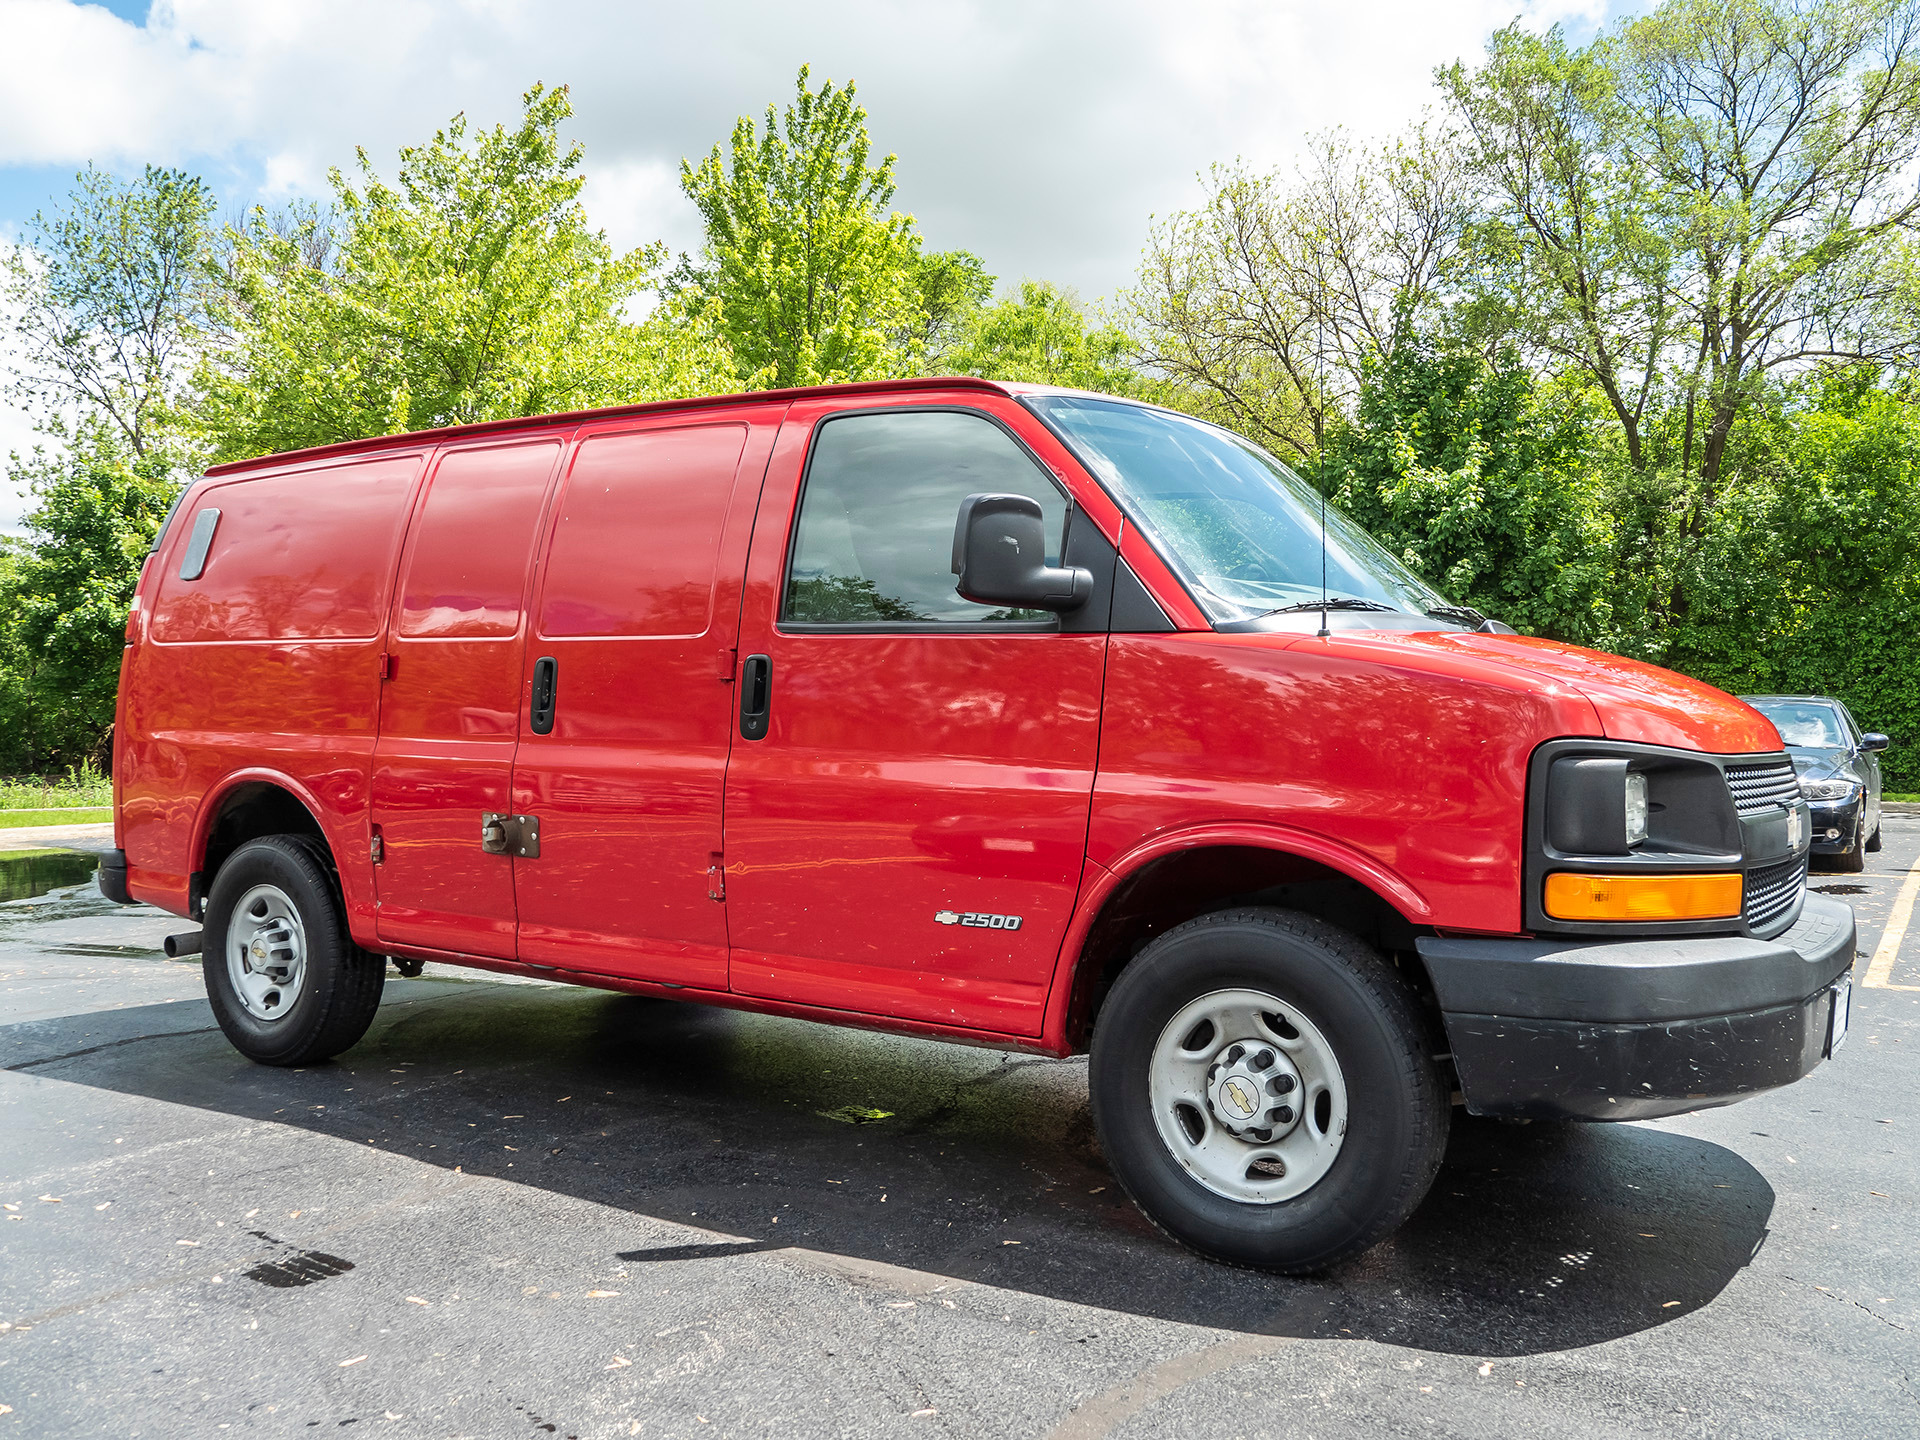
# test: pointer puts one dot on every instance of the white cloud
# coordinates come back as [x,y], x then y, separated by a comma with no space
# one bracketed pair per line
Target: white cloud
[16,435]
[1040,134]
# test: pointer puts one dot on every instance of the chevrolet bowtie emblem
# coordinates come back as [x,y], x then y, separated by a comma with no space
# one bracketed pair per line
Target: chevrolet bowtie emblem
[1239,1099]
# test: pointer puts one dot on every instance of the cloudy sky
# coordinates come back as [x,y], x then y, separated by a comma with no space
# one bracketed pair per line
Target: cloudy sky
[1042,134]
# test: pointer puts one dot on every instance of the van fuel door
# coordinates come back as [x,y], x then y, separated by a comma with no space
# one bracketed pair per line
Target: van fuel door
[517,835]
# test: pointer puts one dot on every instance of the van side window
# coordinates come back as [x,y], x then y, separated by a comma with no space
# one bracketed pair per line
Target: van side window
[638,533]
[873,546]
[467,568]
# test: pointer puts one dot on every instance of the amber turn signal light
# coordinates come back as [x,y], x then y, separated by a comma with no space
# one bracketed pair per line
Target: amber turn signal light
[1643,897]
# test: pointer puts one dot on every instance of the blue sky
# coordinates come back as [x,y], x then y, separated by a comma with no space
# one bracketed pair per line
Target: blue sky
[1042,135]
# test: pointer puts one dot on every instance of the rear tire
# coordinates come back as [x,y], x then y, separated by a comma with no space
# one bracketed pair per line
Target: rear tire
[285,980]
[1343,1036]
[1873,841]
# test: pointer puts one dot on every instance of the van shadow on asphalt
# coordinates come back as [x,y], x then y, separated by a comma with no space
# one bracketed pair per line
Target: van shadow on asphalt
[1534,1238]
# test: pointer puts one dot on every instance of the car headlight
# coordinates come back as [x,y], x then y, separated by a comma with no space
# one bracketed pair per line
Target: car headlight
[1635,804]
[1829,790]
[1596,805]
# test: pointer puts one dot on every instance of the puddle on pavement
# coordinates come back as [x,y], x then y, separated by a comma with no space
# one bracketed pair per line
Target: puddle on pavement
[301,1267]
[1839,889]
[27,873]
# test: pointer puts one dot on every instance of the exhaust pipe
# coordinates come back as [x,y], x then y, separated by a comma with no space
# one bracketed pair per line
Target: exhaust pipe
[179,945]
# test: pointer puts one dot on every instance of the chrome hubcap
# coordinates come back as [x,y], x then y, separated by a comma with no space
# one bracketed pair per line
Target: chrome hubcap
[266,952]
[1248,1096]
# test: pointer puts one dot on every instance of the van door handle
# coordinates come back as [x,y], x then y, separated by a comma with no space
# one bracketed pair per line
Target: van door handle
[756,697]
[545,683]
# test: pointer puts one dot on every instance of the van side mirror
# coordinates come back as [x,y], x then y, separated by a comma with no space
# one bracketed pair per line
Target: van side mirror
[1000,555]
[1873,742]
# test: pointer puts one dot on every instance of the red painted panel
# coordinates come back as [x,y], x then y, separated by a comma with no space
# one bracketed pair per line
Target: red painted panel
[628,784]
[637,534]
[450,708]
[905,775]
[303,555]
[197,716]
[1406,762]
[1633,700]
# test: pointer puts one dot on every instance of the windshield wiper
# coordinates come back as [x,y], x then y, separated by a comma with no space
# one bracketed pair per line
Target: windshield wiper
[1337,602]
[1465,614]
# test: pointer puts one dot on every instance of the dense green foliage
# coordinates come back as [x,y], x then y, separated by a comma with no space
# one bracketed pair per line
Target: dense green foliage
[1807,578]
[806,272]
[1462,467]
[1044,337]
[64,597]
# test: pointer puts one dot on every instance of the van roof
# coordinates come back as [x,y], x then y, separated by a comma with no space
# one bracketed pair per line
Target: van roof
[571,417]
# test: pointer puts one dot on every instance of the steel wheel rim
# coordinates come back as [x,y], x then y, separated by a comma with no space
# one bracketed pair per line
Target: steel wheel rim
[1194,1090]
[267,952]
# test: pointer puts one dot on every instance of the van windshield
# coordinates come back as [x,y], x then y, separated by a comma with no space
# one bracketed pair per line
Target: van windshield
[1240,528]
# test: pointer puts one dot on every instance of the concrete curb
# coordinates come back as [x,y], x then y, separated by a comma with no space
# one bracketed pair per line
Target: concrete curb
[94,838]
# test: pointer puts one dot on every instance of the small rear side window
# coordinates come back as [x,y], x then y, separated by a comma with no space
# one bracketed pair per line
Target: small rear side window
[194,561]
[302,555]
[873,546]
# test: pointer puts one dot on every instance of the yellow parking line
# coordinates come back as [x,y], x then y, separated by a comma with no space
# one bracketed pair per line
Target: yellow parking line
[1880,968]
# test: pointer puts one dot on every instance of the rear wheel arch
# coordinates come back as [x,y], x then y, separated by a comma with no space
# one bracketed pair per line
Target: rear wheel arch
[252,808]
[1181,883]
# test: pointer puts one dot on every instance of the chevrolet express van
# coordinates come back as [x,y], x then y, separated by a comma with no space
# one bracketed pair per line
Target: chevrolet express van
[994,713]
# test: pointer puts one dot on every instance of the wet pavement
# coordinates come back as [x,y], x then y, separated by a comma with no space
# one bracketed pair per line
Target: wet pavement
[524,1209]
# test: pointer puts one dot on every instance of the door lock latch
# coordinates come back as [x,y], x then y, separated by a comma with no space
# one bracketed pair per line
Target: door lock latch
[510,835]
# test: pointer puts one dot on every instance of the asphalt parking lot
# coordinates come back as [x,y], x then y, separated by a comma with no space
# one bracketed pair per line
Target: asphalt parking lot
[528,1210]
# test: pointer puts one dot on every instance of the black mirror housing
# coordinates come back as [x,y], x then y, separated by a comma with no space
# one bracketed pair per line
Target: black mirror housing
[1000,555]
[1873,742]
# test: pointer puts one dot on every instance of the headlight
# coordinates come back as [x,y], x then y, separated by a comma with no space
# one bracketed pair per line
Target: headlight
[1829,789]
[1596,805]
[1635,801]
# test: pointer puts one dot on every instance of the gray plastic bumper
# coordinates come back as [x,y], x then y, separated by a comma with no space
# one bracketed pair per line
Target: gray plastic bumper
[1627,1029]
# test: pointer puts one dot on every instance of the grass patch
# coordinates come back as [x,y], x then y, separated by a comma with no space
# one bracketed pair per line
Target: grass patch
[65,815]
[1904,799]
[82,785]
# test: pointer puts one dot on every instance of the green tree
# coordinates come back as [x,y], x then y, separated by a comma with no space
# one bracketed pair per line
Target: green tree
[64,595]
[1716,194]
[814,279]
[105,294]
[1467,470]
[953,285]
[1569,257]
[1261,305]
[1045,337]
[471,289]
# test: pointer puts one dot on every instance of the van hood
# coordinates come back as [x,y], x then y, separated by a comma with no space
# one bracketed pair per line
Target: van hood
[1632,700]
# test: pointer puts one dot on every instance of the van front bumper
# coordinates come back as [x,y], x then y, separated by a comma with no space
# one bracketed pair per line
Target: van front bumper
[1631,1029]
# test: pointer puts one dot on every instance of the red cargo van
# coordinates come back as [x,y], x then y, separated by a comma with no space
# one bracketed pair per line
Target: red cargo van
[1007,715]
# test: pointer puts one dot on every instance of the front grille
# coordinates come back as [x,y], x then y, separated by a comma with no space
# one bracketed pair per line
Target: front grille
[1772,890]
[1755,787]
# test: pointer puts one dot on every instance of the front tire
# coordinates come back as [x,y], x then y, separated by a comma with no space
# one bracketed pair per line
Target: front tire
[1302,1141]
[1854,859]
[285,980]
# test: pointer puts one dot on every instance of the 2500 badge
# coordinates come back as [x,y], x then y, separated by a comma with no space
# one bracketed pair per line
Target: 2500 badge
[977,920]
